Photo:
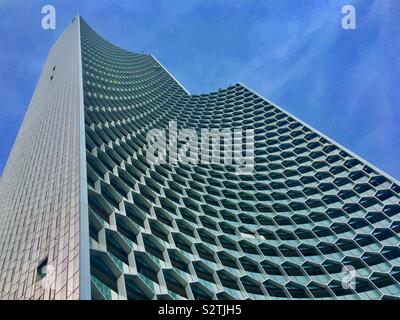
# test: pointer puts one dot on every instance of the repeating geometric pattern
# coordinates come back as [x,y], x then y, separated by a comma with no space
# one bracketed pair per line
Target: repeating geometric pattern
[203,232]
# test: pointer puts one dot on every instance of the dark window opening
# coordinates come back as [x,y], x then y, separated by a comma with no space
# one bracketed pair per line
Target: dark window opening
[41,270]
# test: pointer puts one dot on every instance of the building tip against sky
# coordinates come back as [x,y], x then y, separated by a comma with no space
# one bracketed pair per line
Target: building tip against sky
[84,214]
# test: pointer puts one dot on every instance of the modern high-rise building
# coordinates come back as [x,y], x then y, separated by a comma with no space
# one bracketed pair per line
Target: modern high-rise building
[84,214]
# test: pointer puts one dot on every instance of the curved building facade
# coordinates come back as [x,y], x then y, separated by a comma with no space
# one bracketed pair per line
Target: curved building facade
[311,220]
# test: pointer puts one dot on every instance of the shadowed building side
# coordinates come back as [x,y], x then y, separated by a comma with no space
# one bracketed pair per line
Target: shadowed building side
[310,210]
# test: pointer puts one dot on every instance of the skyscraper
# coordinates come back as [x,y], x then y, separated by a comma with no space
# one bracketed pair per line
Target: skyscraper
[84,214]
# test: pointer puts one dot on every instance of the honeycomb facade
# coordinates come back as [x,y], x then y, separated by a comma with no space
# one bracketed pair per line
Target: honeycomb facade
[309,210]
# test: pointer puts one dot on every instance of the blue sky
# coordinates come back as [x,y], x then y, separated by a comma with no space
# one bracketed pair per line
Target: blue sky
[345,83]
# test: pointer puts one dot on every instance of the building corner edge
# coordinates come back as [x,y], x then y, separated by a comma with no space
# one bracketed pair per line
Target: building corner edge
[84,248]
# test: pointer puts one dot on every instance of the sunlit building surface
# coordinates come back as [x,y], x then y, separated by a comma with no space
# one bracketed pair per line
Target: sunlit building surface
[84,214]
